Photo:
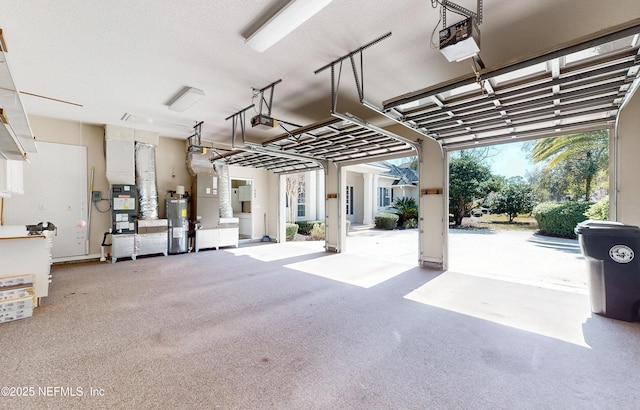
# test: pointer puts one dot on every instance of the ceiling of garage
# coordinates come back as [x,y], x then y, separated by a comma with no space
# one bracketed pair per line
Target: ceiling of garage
[121,62]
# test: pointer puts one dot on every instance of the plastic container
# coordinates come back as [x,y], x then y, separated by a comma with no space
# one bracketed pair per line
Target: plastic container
[611,251]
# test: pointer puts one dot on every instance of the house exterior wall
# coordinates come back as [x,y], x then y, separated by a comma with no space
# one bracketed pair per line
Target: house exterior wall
[355,180]
[387,183]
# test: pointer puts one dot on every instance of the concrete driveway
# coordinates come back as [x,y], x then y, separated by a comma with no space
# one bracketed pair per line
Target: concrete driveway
[518,256]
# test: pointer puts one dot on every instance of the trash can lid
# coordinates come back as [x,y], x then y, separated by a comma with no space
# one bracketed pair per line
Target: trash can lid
[606,228]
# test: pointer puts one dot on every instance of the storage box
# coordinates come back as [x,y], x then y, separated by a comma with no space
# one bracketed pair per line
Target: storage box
[16,280]
[15,315]
[17,292]
[16,304]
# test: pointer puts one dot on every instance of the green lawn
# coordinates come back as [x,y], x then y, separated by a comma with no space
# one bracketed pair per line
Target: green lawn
[500,222]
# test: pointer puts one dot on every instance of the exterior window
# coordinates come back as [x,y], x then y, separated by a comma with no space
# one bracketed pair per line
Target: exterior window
[349,200]
[301,199]
[384,196]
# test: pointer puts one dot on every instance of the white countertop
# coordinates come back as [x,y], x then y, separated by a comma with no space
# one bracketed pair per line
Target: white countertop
[13,231]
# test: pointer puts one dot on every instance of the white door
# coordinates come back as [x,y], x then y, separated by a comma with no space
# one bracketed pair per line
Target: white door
[55,190]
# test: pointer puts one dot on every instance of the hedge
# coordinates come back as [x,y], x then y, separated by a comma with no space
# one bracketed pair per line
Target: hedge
[317,233]
[386,221]
[599,211]
[292,230]
[305,227]
[560,219]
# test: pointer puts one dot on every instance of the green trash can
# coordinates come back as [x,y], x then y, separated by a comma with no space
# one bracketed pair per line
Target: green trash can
[611,251]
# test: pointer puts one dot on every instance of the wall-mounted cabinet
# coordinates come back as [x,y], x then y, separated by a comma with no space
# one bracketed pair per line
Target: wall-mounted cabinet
[245,193]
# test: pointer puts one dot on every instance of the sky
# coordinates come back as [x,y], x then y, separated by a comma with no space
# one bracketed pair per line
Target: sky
[509,160]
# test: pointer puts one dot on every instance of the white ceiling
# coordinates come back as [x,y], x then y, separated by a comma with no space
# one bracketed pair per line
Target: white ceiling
[113,57]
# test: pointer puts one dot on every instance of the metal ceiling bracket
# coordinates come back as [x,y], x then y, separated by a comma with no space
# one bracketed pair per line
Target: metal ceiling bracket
[238,119]
[455,8]
[196,138]
[359,76]
[263,101]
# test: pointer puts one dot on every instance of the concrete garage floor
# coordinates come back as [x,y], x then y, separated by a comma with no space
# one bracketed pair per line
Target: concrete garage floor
[287,326]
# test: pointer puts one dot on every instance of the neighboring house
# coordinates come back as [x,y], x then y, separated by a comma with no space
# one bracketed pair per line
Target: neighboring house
[370,189]
[404,183]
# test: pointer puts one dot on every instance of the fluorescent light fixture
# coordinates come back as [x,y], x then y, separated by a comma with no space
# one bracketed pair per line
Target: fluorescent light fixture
[284,22]
[185,99]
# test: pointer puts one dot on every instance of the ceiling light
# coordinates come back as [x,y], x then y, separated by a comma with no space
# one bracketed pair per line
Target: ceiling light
[284,22]
[185,99]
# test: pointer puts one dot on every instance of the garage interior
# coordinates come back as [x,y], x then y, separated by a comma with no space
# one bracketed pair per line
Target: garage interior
[279,325]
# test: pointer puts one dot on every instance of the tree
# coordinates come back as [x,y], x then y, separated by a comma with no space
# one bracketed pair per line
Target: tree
[294,182]
[467,178]
[513,199]
[582,156]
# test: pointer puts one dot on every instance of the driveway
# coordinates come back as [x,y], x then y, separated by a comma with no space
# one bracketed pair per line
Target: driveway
[518,256]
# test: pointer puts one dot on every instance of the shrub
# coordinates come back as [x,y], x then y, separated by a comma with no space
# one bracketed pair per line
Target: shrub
[386,221]
[410,224]
[292,230]
[305,227]
[317,232]
[599,211]
[560,219]
[406,208]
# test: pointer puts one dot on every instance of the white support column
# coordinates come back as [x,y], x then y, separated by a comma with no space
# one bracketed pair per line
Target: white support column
[282,210]
[311,211]
[434,221]
[369,199]
[320,196]
[335,232]
[626,201]
[376,199]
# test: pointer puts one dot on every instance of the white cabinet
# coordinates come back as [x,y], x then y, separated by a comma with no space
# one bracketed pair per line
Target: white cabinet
[11,177]
[216,237]
[245,225]
[228,236]
[245,193]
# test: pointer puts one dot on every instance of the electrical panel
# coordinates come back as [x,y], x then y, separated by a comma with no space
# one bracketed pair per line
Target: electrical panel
[124,208]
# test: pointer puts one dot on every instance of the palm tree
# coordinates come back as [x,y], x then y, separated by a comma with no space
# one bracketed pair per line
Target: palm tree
[587,153]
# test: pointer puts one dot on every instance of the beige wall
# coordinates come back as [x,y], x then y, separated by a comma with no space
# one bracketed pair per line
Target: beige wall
[170,165]
[628,169]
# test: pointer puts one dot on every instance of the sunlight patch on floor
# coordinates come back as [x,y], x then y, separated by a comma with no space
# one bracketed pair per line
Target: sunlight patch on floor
[546,312]
[351,269]
[272,252]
